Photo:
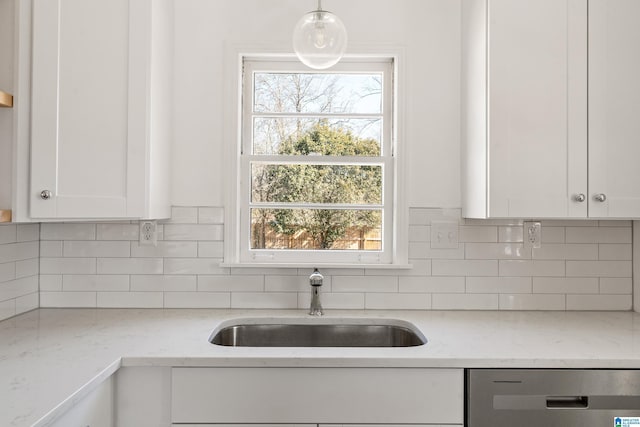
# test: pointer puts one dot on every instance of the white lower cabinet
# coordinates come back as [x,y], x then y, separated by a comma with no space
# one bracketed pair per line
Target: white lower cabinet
[94,410]
[311,396]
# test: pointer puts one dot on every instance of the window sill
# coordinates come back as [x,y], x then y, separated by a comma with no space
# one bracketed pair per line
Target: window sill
[315,265]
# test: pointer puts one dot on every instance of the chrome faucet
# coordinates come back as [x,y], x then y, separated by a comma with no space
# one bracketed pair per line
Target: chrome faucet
[315,280]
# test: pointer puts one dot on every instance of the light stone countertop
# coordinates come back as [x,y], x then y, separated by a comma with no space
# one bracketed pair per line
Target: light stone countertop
[48,354]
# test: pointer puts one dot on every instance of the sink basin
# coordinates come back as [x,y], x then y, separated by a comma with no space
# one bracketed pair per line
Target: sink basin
[318,333]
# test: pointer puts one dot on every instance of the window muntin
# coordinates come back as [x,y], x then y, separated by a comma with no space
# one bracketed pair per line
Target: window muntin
[316,163]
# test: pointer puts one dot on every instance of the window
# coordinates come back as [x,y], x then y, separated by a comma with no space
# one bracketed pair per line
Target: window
[317,166]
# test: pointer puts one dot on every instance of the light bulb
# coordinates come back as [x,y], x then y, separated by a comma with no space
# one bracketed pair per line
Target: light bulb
[319,36]
[319,39]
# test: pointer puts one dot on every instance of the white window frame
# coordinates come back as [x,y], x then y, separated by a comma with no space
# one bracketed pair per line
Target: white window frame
[237,213]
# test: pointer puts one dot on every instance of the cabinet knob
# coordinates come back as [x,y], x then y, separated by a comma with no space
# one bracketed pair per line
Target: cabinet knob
[580,197]
[600,197]
[45,194]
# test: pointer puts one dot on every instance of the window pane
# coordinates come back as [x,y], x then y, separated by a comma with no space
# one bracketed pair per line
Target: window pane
[316,229]
[318,93]
[335,137]
[302,183]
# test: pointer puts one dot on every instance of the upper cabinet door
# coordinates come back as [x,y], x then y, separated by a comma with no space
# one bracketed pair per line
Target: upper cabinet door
[614,108]
[537,103]
[524,108]
[91,111]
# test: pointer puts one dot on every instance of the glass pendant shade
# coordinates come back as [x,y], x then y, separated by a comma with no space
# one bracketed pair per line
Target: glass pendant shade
[319,39]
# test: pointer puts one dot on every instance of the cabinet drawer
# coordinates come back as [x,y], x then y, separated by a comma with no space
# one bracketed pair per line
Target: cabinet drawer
[317,395]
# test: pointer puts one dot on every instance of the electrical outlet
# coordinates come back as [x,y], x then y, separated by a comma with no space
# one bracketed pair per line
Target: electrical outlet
[444,235]
[148,233]
[532,235]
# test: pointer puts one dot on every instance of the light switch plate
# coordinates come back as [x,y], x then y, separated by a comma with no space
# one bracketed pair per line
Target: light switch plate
[444,235]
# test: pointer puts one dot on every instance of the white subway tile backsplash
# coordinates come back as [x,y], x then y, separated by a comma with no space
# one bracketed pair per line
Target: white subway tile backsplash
[598,269]
[118,231]
[599,302]
[419,267]
[164,283]
[423,250]
[210,215]
[273,300]
[51,248]
[374,301]
[28,267]
[478,234]
[598,235]
[615,252]
[51,283]
[498,285]
[96,249]
[464,267]
[565,285]
[210,250]
[129,266]
[67,265]
[428,285]
[552,234]
[28,232]
[232,283]
[8,233]
[93,282]
[194,266]
[419,233]
[193,232]
[56,231]
[27,302]
[130,299]
[67,299]
[532,268]
[331,301]
[613,285]
[581,265]
[532,302]
[291,283]
[555,251]
[18,287]
[511,234]
[496,251]
[364,284]
[7,271]
[7,309]
[197,300]
[165,249]
[464,302]
[12,252]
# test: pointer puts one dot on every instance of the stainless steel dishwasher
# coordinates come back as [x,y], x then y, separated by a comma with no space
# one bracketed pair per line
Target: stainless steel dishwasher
[552,398]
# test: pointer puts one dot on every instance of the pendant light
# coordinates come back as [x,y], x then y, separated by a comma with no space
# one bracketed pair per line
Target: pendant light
[319,39]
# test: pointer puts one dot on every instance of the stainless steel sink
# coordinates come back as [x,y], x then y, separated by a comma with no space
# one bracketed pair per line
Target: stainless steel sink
[342,333]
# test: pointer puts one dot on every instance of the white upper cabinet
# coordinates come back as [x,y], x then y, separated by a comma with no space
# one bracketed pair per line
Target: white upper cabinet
[614,107]
[100,125]
[548,104]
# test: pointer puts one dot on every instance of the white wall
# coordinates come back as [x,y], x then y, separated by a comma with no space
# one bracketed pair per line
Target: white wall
[427,30]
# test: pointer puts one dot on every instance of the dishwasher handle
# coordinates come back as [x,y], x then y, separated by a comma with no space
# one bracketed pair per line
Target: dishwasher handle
[567,402]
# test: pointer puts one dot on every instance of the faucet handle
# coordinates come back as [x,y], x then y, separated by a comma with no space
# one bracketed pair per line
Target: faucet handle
[316,278]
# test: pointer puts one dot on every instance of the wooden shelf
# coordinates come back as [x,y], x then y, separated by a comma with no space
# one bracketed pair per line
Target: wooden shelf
[6,100]
[5,215]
